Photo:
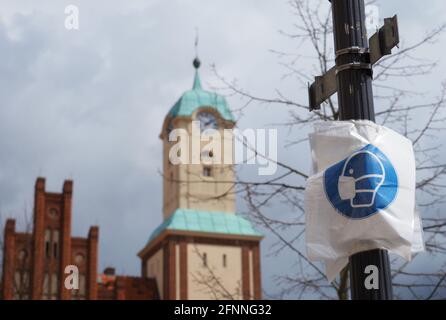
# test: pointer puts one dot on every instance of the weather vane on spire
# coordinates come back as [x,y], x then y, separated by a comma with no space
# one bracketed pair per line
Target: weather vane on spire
[196,62]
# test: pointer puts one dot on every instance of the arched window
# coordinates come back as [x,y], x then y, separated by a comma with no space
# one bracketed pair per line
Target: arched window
[205,260]
[207,172]
[82,287]
[54,286]
[48,243]
[55,244]
[46,286]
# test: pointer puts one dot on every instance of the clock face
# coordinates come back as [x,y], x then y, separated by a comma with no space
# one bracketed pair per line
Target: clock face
[207,121]
[53,213]
[79,258]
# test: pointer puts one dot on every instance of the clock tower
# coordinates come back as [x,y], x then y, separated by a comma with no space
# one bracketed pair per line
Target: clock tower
[203,249]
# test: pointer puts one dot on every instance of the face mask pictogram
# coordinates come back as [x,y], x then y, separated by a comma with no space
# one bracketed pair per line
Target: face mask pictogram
[362,184]
[362,176]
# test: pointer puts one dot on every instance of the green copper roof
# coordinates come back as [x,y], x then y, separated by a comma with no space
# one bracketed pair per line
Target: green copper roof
[206,221]
[197,97]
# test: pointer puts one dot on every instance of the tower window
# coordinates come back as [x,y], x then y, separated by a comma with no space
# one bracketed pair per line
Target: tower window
[205,259]
[224,261]
[207,172]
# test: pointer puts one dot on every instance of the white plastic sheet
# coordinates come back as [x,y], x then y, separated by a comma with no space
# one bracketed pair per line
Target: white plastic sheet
[362,194]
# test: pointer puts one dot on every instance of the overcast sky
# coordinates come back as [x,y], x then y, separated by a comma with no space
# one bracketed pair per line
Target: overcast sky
[88,104]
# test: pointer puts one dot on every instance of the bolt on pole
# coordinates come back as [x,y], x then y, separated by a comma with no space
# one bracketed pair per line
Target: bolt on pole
[355,98]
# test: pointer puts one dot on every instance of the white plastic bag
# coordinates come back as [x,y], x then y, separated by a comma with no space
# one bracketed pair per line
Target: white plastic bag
[362,194]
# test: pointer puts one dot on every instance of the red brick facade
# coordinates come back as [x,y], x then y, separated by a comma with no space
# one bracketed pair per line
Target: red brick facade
[111,287]
[34,263]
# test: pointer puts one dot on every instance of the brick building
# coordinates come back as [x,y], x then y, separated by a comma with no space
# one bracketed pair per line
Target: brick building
[112,287]
[34,262]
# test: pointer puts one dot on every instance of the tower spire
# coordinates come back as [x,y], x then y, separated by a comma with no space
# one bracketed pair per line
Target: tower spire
[196,63]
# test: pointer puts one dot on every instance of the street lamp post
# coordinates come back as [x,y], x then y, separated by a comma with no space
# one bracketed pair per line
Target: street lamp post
[351,78]
[355,98]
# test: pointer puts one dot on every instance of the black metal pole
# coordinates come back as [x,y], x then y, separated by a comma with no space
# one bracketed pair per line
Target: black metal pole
[355,98]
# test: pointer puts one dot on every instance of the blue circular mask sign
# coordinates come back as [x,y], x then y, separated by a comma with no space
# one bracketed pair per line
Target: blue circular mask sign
[361,185]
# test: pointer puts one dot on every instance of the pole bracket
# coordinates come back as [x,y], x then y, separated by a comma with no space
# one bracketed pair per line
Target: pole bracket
[380,45]
[349,50]
[354,65]
[383,41]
